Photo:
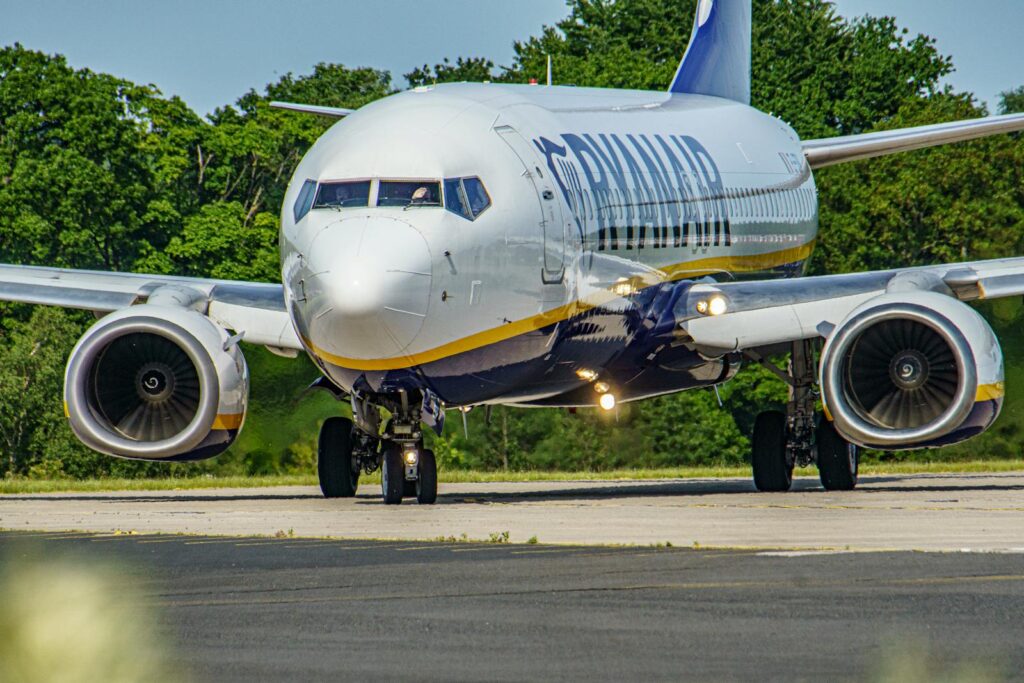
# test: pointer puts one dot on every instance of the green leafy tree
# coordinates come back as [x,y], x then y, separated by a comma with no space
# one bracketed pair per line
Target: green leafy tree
[472,70]
[943,204]
[77,186]
[98,172]
[1012,101]
[222,241]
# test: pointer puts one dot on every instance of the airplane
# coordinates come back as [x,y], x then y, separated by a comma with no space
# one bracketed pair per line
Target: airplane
[474,244]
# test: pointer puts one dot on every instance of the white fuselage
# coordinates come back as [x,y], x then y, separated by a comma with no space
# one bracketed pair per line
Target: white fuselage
[601,201]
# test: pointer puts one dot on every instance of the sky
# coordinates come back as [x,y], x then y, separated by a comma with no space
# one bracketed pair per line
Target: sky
[210,52]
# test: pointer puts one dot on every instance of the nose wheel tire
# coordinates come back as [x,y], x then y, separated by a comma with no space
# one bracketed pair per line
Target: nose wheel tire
[837,459]
[426,484]
[773,472]
[392,475]
[339,475]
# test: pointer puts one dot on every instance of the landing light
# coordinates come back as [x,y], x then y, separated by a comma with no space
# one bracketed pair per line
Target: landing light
[602,387]
[607,401]
[586,375]
[623,287]
[716,305]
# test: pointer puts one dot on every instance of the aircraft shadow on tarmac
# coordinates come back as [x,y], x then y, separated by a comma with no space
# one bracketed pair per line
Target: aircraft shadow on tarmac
[690,489]
[593,491]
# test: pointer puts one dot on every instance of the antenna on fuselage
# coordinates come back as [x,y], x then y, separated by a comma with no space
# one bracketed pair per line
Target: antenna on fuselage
[549,70]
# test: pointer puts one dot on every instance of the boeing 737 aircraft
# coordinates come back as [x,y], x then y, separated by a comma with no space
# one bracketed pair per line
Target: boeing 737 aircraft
[472,244]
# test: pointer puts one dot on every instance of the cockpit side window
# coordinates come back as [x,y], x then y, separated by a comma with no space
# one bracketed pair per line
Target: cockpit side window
[409,193]
[479,200]
[343,195]
[305,200]
[454,200]
[466,197]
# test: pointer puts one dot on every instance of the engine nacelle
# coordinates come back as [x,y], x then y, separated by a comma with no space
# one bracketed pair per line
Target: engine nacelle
[912,370]
[155,382]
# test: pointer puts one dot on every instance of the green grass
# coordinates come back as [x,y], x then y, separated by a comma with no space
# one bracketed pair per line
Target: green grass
[166,484]
[14,486]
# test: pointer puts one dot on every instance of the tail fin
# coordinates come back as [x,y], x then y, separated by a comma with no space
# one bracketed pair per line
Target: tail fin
[717,61]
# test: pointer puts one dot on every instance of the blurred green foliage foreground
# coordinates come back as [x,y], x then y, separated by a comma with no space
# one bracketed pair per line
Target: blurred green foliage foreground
[98,172]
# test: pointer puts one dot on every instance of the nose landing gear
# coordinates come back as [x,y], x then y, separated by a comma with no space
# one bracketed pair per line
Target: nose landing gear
[408,471]
[347,448]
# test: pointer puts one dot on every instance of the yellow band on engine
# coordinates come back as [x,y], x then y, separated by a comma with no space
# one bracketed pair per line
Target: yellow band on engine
[228,422]
[990,392]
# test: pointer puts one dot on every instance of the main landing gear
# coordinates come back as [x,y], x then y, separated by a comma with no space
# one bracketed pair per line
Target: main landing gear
[347,448]
[801,435]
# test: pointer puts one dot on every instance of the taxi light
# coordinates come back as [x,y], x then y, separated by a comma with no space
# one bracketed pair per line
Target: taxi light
[716,305]
[607,401]
[411,457]
[623,288]
[586,375]
[602,387]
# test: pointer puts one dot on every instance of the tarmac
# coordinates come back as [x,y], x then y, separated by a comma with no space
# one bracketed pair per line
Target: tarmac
[263,609]
[944,513]
[660,580]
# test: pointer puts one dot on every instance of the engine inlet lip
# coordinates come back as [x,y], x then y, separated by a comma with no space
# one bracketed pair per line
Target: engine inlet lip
[85,421]
[860,430]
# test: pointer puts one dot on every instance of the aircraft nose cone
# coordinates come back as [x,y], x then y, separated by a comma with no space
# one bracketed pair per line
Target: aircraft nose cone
[369,287]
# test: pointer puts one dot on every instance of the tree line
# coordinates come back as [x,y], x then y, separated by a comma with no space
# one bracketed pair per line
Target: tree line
[99,172]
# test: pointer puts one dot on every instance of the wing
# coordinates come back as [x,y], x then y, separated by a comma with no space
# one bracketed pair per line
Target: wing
[330,112]
[763,314]
[253,309]
[830,151]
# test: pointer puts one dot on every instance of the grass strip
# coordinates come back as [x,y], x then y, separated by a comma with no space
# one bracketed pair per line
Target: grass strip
[23,486]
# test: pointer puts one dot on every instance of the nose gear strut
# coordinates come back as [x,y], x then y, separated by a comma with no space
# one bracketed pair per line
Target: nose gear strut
[349,447]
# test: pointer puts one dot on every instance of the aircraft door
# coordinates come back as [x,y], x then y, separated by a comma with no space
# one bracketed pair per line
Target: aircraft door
[551,223]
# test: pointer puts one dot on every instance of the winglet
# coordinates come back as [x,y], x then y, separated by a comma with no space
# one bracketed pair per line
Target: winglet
[717,61]
[332,112]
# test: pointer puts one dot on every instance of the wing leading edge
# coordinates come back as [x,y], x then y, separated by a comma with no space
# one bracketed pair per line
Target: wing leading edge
[330,112]
[768,313]
[254,309]
[831,151]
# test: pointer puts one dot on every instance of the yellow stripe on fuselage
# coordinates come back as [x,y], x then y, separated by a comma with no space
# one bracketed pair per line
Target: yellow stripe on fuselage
[690,269]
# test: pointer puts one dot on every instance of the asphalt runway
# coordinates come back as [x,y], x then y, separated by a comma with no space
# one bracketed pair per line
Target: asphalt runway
[244,609]
[983,512]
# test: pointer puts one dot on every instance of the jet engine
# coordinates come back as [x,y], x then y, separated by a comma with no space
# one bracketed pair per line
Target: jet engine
[912,370]
[154,382]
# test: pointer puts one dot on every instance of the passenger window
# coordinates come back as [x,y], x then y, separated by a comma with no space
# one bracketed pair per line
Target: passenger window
[409,193]
[304,202]
[343,195]
[476,195]
[454,200]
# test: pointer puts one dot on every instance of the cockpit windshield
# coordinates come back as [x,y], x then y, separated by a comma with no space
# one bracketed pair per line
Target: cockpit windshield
[342,195]
[409,193]
[463,196]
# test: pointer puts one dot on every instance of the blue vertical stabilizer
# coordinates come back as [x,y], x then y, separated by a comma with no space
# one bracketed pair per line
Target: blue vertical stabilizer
[717,61]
